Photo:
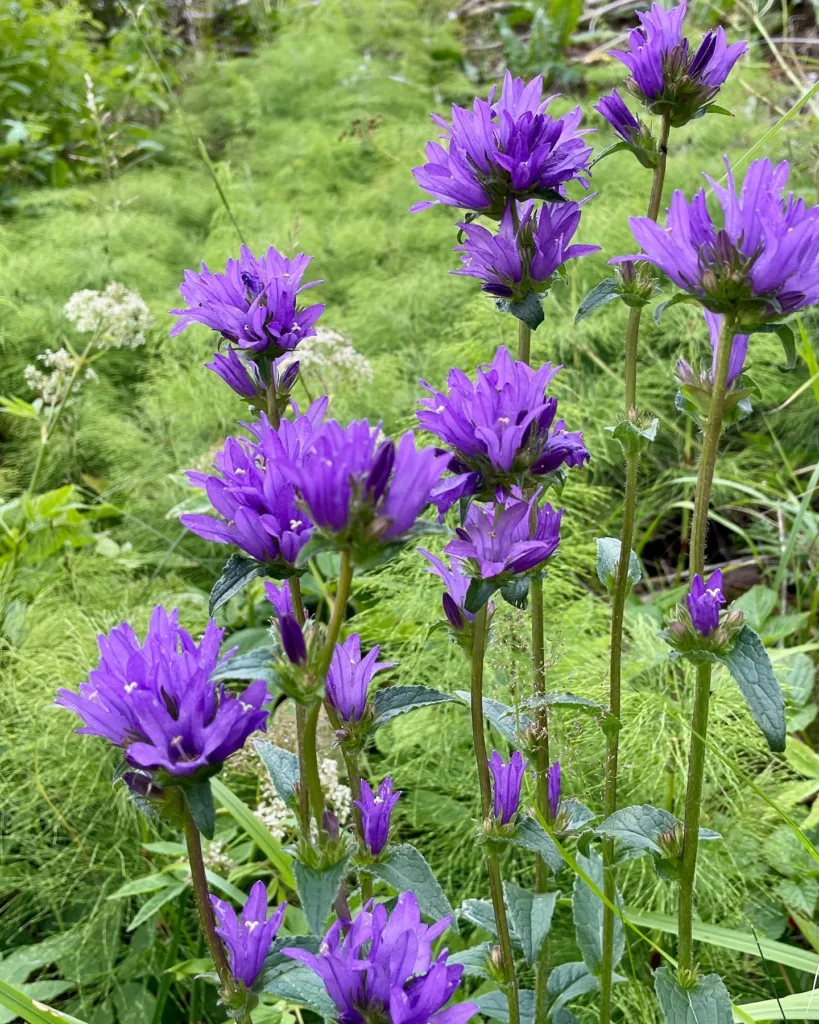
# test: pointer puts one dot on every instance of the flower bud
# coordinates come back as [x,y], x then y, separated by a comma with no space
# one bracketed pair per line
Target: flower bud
[677,630]
[735,619]
[330,825]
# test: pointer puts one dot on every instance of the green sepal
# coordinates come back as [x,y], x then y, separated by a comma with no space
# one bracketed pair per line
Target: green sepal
[713,108]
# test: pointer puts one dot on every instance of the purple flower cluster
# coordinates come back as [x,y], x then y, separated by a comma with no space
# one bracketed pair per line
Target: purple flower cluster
[349,677]
[527,250]
[254,495]
[500,429]
[507,778]
[502,150]
[158,702]
[704,601]
[380,967]
[506,543]
[248,938]
[454,598]
[375,810]
[762,262]
[665,74]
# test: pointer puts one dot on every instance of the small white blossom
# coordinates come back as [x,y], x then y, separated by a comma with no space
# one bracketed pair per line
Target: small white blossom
[52,387]
[217,859]
[333,359]
[117,315]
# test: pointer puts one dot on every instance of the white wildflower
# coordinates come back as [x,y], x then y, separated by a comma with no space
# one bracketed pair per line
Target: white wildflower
[118,316]
[52,387]
[337,795]
[333,359]
[217,858]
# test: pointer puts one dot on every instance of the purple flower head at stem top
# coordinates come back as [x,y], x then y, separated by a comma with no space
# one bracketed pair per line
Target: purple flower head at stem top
[704,601]
[527,250]
[501,540]
[349,678]
[380,967]
[290,631]
[158,702]
[254,498]
[499,428]
[618,115]
[760,262]
[253,304]
[361,488]
[507,777]
[553,789]
[502,150]
[375,810]
[247,938]
[665,74]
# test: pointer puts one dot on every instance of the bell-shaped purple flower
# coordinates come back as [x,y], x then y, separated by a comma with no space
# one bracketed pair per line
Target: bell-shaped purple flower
[507,778]
[349,677]
[247,938]
[375,810]
[363,489]
[704,601]
[502,150]
[506,544]
[158,702]
[553,789]
[290,631]
[523,258]
[454,598]
[665,74]
[761,262]
[253,304]
[618,115]
[242,377]
[380,967]
[739,347]
[252,494]
[499,427]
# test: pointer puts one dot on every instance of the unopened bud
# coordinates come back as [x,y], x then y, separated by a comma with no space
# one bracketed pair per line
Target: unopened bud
[709,282]
[330,825]
[377,528]
[496,958]
[735,619]
[677,630]
[719,638]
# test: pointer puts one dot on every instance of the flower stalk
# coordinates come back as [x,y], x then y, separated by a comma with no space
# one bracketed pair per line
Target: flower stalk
[619,594]
[702,693]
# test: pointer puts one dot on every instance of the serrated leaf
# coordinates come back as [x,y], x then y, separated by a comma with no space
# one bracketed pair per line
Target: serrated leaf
[475,960]
[568,981]
[750,667]
[531,836]
[706,1002]
[283,768]
[397,700]
[480,913]
[253,665]
[276,962]
[607,289]
[406,871]
[501,716]
[199,798]
[608,555]
[237,573]
[317,890]
[530,917]
[516,591]
[304,988]
[478,593]
[495,1006]
[156,902]
[639,827]
[588,916]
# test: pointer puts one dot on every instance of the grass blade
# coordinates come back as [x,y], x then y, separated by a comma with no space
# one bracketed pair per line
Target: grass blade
[30,1010]
[255,830]
[800,1006]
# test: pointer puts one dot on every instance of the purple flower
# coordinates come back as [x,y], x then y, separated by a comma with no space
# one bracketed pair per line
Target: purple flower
[290,631]
[158,702]
[518,260]
[509,149]
[380,967]
[375,809]
[506,544]
[739,347]
[349,677]
[507,778]
[763,261]
[254,304]
[621,119]
[249,938]
[665,75]
[498,428]
[704,601]
[553,789]
[242,377]
[253,495]
[359,487]
[454,599]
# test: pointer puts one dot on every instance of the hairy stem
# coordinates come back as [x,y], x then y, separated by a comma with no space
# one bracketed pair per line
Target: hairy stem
[301,723]
[504,939]
[619,594]
[311,769]
[702,693]
[201,894]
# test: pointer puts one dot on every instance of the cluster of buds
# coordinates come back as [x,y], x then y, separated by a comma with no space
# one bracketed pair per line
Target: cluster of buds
[637,285]
[634,134]
[671,843]
[701,628]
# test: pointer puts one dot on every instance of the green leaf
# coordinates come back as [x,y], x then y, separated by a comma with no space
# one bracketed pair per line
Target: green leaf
[799,1006]
[785,335]
[478,594]
[568,981]
[475,960]
[680,297]
[247,820]
[530,917]
[756,605]
[148,883]
[480,913]
[713,108]
[706,1002]
[158,900]
[166,849]
[283,768]
[530,835]
[396,700]
[608,555]
[588,916]
[501,716]
[30,1010]
[639,827]
[516,591]
[406,871]
[199,799]
[607,289]
[750,666]
[495,1006]
[633,436]
[796,677]
[304,988]
[782,627]
[253,665]
[564,1016]
[529,310]
[237,573]
[317,890]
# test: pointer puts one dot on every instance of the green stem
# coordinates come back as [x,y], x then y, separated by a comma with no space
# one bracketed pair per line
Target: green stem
[309,751]
[492,865]
[619,594]
[354,775]
[272,406]
[345,579]
[524,342]
[702,693]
